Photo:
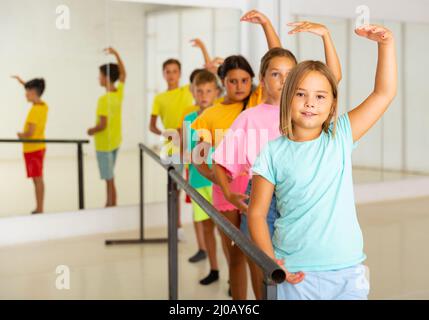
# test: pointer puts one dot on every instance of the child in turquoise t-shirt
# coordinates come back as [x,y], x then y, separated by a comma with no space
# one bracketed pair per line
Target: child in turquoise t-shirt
[205,91]
[317,238]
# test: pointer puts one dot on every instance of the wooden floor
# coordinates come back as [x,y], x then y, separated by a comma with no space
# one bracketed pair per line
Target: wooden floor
[396,237]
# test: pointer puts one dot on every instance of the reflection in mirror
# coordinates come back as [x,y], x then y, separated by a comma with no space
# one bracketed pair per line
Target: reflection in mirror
[63,44]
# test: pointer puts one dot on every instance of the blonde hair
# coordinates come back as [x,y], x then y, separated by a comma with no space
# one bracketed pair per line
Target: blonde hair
[293,80]
[274,53]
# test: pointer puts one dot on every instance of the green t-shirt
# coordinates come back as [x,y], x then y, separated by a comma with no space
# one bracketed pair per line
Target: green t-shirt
[196,180]
[110,106]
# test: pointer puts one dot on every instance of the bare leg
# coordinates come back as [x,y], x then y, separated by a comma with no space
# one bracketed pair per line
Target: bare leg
[257,279]
[111,193]
[199,234]
[237,261]
[39,187]
[210,241]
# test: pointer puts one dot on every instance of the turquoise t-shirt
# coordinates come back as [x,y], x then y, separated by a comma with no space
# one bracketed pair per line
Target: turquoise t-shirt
[196,180]
[318,229]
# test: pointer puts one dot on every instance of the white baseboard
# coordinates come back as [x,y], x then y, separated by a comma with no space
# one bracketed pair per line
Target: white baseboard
[50,226]
[391,190]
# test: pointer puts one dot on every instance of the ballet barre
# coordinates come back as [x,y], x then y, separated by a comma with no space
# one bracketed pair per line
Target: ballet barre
[273,273]
[79,143]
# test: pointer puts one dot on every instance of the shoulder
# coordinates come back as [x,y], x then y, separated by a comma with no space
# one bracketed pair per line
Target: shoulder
[190,116]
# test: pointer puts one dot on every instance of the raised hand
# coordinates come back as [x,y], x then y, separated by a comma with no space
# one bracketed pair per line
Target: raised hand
[18,78]
[307,26]
[375,33]
[292,278]
[198,43]
[254,16]
[110,50]
[214,64]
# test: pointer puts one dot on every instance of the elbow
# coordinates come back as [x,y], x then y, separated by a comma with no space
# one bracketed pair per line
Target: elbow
[339,77]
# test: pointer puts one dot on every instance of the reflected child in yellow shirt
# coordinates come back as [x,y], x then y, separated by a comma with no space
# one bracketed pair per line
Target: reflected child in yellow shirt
[34,129]
[108,130]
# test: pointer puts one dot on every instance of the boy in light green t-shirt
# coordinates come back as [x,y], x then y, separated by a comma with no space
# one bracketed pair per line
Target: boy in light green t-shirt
[108,130]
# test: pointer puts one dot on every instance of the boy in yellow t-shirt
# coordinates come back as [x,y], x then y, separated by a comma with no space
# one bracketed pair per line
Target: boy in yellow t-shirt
[169,106]
[108,130]
[34,129]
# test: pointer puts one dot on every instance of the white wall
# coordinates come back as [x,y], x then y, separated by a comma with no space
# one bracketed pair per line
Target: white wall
[400,140]
[32,46]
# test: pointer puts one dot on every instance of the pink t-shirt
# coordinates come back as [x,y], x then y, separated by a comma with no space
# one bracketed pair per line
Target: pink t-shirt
[249,133]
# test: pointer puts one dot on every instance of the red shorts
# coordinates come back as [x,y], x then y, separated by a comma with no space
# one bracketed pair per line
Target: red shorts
[34,163]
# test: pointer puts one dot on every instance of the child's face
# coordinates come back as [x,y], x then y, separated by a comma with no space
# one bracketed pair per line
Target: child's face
[172,73]
[102,79]
[205,94]
[31,95]
[312,102]
[238,84]
[275,77]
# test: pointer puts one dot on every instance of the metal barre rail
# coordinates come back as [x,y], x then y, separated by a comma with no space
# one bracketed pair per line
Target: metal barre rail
[273,273]
[79,144]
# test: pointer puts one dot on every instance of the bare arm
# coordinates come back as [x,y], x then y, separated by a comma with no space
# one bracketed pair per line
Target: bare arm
[223,178]
[198,43]
[201,165]
[102,124]
[152,126]
[19,79]
[331,56]
[271,35]
[364,116]
[29,131]
[122,71]
[260,200]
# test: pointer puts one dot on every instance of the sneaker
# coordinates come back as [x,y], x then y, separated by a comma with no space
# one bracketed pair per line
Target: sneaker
[200,255]
[181,235]
[212,277]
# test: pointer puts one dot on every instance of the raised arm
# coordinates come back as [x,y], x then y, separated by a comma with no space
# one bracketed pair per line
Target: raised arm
[331,56]
[254,16]
[198,43]
[364,116]
[122,71]
[18,78]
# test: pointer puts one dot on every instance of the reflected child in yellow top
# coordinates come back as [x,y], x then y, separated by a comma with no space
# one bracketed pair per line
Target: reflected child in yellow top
[108,130]
[34,129]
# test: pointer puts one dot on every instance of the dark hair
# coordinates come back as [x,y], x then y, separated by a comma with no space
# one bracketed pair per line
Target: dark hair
[232,63]
[194,74]
[274,53]
[36,84]
[205,76]
[110,70]
[171,61]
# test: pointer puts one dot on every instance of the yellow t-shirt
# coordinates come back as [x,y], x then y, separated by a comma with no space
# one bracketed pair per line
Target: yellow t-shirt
[170,105]
[110,106]
[38,116]
[214,122]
